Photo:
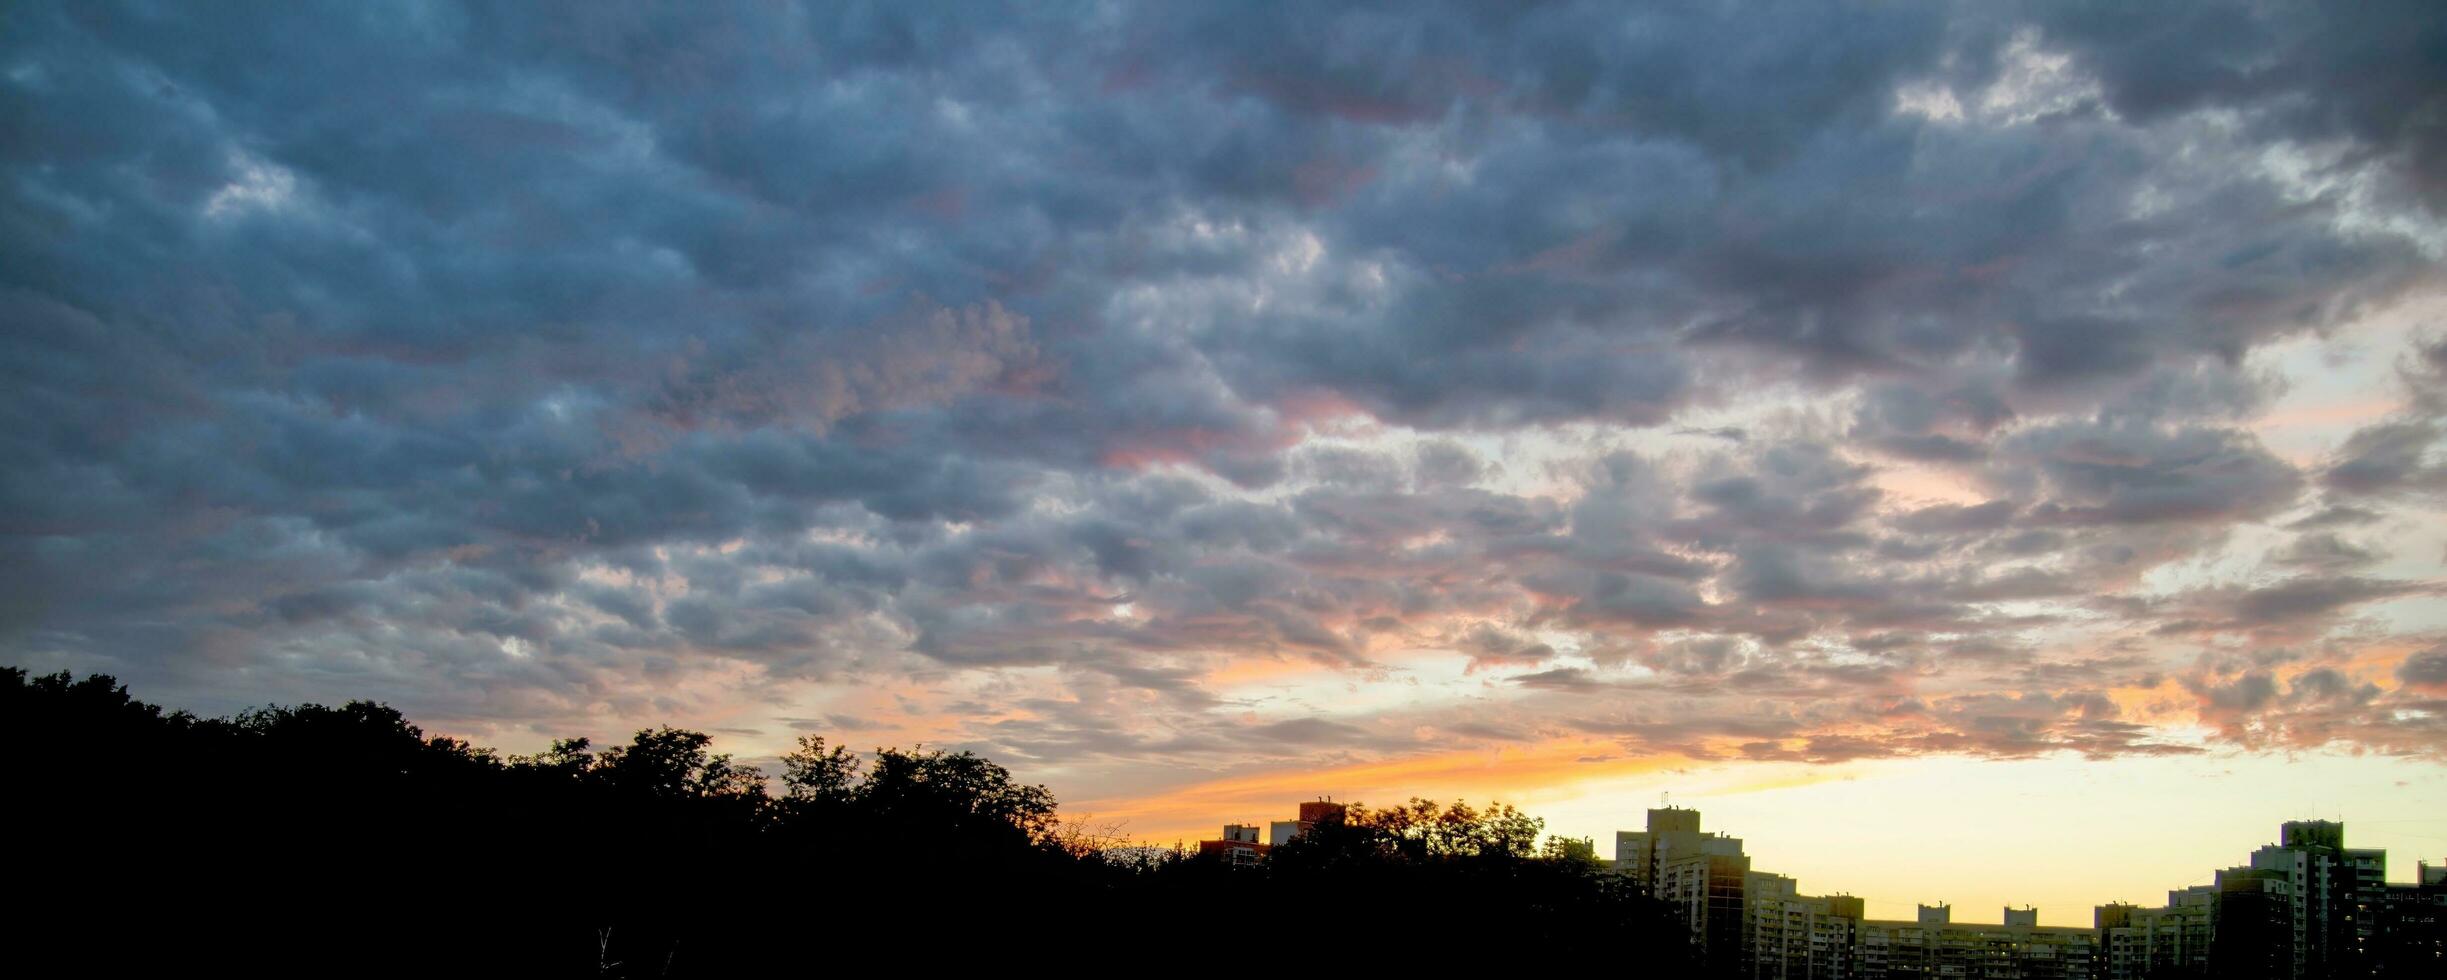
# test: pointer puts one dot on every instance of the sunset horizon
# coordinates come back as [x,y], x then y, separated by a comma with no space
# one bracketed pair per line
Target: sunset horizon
[1991,454]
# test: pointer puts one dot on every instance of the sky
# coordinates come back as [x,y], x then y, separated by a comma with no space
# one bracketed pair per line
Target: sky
[1937,440]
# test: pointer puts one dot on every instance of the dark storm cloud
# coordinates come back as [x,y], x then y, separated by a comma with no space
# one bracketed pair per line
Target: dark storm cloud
[2085,474]
[2426,670]
[2370,74]
[1909,423]
[520,364]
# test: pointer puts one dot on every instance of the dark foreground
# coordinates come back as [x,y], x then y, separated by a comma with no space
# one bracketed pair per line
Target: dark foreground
[345,841]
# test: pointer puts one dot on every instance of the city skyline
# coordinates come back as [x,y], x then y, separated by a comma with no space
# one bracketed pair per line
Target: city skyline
[2015,862]
[929,843]
[1983,424]
[2307,905]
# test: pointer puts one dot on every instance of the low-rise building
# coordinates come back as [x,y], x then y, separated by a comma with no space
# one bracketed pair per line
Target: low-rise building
[1239,846]
[1933,945]
[1312,813]
[1244,844]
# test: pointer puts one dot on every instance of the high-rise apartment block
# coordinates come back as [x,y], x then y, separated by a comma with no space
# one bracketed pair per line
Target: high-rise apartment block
[2332,896]
[1753,924]
[1701,875]
[2304,908]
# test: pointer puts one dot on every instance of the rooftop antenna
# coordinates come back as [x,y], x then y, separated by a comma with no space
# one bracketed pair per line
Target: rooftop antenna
[1668,797]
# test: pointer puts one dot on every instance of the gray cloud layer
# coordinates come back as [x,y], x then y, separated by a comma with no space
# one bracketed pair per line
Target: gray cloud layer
[528,365]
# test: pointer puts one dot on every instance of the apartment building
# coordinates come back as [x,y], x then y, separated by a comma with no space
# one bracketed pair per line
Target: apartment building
[1703,876]
[1933,945]
[1791,936]
[2137,943]
[1757,925]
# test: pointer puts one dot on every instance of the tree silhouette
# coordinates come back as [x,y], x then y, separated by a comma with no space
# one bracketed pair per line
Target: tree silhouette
[816,773]
[668,763]
[957,792]
[313,839]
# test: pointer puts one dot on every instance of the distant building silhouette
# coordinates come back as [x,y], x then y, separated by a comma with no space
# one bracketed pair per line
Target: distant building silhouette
[1934,945]
[2305,908]
[2257,933]
[1704,876]
[1312,813]
[2334,896]
[1792,936]
[2413,926]
[2172,940]
[1242,845]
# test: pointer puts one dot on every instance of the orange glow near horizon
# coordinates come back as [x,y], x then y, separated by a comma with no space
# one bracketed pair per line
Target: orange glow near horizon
[1511,775]
[1976,833]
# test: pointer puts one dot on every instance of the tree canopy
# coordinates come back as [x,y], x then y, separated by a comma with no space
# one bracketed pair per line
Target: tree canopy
[304,838]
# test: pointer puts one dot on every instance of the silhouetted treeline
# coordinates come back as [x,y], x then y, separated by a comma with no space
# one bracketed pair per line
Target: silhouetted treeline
[346,841]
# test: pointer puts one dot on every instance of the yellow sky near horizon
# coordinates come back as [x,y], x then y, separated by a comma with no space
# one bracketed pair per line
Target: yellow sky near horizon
[2062,833]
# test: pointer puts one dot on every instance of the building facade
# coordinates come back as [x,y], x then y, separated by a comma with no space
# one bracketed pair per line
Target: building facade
[2305,908]
[2138,943]
[2413,935]
[1245,844]
[1239,846]
[1791,936]
[1703,876]
[1934,945]
[1311,814]
[1757,925]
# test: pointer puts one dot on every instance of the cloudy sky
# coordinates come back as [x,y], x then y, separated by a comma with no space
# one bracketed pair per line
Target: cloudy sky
[1827,414]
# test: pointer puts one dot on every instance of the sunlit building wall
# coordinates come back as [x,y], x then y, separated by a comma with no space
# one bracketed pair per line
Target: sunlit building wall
[1701,875]
[1245,844]
[1239,846]
[1281,832]
[1671,831]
